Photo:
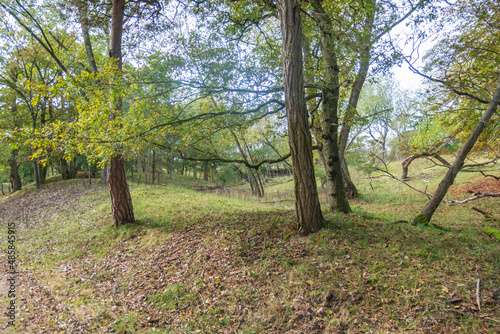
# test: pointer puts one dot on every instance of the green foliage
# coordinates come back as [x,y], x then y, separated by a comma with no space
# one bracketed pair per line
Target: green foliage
[26,172]
[226,174]
[493,232]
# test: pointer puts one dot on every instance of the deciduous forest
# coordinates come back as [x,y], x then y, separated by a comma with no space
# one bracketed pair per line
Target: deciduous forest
[211,166]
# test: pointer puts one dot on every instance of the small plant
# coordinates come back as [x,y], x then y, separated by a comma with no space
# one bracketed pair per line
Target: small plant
[174,297]
[126,325]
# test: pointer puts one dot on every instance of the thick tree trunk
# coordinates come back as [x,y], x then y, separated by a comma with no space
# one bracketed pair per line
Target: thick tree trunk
[43,173]
[334,180]
[64,169]
[36,172]
[449,178]
[307,206]
[14,171]
[121,202]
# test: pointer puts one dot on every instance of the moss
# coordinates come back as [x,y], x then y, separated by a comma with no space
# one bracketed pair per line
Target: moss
[493,232]
[420,219]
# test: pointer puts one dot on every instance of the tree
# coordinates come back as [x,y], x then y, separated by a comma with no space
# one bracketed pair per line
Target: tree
[121,201]
[307,206]
[350,41]
[463,67]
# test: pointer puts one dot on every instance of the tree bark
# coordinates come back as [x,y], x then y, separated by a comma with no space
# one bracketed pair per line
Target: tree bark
[14,171]
[307,206]
[334,180]
[449,178]
[121,202]
[36,173]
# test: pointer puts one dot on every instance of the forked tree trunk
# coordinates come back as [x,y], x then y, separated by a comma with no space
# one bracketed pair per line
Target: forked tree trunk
[449,178]
[307,206]
[334,180]
[121,202]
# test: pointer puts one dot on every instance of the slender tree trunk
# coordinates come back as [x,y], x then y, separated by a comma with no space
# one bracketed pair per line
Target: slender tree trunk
[83,11]
[132,171]
[334,180]
[14,171]
[364,65]
[90,172]
[307,206]
[104,174]
[153,167]
[259,180]
[449,178]
[121,202]
[195,172]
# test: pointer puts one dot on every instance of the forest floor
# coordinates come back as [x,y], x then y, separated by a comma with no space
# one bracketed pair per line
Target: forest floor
[198,262]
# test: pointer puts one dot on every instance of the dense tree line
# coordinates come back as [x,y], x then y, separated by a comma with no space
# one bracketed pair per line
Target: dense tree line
[236,89]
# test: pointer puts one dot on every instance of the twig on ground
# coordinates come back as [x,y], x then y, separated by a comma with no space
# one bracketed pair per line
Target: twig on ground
[473,198]
[478,294]
[486,215]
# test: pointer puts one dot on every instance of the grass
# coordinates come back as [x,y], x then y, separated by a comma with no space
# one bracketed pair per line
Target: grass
[203,262]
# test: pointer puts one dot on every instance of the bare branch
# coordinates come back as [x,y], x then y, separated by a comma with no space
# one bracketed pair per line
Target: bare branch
[473,198]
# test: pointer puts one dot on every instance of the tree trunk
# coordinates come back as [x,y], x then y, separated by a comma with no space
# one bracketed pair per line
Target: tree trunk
[195,172]
[307,206]
[153,167]
[36,172]
[449,178]
[104,174]
[350,189]
[14,171]
[121,202]
[364,65]
[334,180]
[64,169]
